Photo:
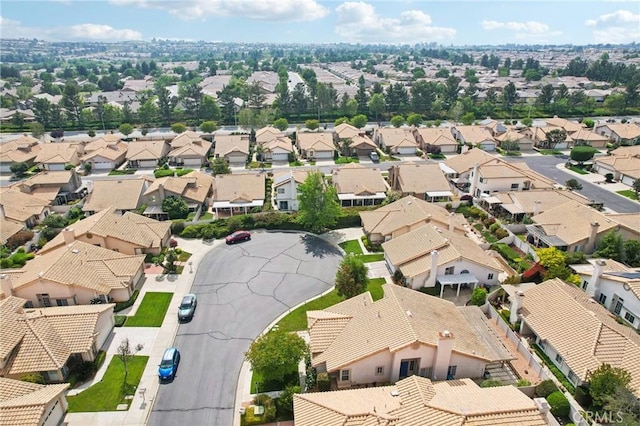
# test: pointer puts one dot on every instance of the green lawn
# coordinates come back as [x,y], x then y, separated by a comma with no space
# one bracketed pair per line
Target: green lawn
[297,319]
[151,311]
[578,170]
[295,163]
[550,152]
[346,160]
[373,257]
[290,379]
[351,246]
[628,193]
[184,256]
[207,216]
[111,390]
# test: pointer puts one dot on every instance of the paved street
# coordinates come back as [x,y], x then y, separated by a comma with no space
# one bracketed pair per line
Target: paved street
[241,289]
[546,165]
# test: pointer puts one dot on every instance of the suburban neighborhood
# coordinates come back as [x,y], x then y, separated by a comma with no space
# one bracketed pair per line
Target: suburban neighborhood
[319,234]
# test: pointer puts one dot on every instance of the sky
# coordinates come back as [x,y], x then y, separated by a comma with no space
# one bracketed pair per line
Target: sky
[451,22]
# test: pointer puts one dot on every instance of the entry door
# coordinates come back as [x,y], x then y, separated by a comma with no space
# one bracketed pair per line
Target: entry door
[409,367]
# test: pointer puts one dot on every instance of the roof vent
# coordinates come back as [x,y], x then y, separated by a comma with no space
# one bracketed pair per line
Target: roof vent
[395,393]
[446,333]
[75,251]
[409,314]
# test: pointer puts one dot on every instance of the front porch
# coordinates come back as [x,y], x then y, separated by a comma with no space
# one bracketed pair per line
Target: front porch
[457,281]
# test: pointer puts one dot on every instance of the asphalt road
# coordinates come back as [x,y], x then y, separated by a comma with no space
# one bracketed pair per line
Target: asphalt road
[241,289]
[546,165]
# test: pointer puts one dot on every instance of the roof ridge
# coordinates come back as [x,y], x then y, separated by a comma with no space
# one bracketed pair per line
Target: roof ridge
[404,317]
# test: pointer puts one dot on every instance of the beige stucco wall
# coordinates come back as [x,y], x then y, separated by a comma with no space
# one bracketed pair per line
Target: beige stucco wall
[55,291]
[54,412]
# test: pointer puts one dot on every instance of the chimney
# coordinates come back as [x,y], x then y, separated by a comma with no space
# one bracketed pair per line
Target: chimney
[474,179]
[69,236]
[431,281]
[536,207]
[7,285]
[516,304]
[542,405]
[444,346]
[593,288]
[2,215]
[591,242]
[452,225]
[161,192]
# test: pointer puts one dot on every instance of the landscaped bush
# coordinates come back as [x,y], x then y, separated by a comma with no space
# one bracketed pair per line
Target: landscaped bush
[17,259]
[284,403]
[182,172]
[33,378]
[177,226]
[323,381]
[119,320]
[546,388]
[494,227]
[163,173]
[269,407]
[582,396]
[472,211]
[559,404]
[523,382]
[124,305]
[489,221]
[490,383]
[501,233]
[369,245]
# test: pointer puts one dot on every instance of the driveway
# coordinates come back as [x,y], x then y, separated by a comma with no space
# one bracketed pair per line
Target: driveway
[241,289]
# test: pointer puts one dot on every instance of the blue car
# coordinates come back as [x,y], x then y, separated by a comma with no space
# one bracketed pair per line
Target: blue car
[169,364]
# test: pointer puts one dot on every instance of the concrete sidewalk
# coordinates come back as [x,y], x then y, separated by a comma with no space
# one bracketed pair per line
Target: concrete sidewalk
[597,179]
[155,341]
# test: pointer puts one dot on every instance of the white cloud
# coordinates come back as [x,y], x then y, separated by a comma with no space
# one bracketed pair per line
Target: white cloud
[359,22]
[72,33]
[261,10]
[620,26]
[524,27]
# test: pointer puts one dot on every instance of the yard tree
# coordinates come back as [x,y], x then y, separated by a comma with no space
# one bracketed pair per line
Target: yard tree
[573,185]
[414,120]
[37,130]
[175,207]
[276,353]
[376,105]
[582,153]
[636,187]
[615,103]
[527,121]
[555,262]
[178,128]
[604,381]
[319,206]
[126,129]
[219,166]
[208,126]
[19,169]
[125,352]
[625,404]
[397,120]
[467,119]
[554,137]
[340,120]
[170,266]
[351,278]
[311,124]
[479,296]
[359,121]
[510,145]
[632,252]
[281,124]
[611,246]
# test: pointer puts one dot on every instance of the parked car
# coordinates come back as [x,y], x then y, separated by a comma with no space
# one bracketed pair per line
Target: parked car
[374,156]
[238,236]
[187,307]
[169,364]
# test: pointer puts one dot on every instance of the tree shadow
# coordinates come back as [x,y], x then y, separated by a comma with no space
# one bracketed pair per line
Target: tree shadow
[318,247]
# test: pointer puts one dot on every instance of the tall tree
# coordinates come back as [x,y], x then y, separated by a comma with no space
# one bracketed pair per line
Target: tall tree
[351,278]
[451,90]
[509,95]
[190,93]
[319,208]
[166,103]
[362,97]
[376,105]
[73,102]
[299,99]
[604,381]
[256,96]
[546,96]
[423,94]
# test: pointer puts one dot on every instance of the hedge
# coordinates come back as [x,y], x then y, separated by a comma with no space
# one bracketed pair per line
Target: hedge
[559,404]
[124,305]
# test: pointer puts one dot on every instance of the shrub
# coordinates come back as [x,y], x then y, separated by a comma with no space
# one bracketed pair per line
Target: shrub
[119,320]
[501,233]
[494,227]
[124,305]
[284,404]
[559,404]
[582,396]
[163,173]
[177,227]
[323,381]
[479,296]
[546,388]
[523,382]
[33,378]
[269,407]
[489,221]
[173,243]
[182,172]
[490,383]
[18,239]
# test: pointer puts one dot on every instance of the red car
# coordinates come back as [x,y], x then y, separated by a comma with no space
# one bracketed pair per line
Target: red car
[238,236]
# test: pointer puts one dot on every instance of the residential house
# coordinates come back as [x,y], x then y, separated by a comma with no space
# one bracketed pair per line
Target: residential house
[585,136]
[624,168]
[623,151]
[346,131]
[476,136]
[278,149]
[76,274]
[357,185]
[430,137]
[266,134]
[575,227]
[407,214]
[147,154]
[417,400]
[622,133]
[583,338]
[498,175]
[458,168]
[360,342]
[233,148]
[517,204]
[424,181]
[128,233]
[362,146]
[56,156]
[238,193]
[495,127]
[189,150]
[8,229]
[523,142]
[195,188]
[539,135]
[105,153]
[123,195]
[396,140]
[24,149]
[22,208]
[428,255]
[569,126]
[59,187]
[614,285]
[47,340]
[285,189]
[24,403]
[315,145]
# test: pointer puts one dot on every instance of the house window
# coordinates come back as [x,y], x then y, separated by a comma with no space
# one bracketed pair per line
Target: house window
[280,190]
[481,180]
[585,284]
[449,270]
[572,377]
[62,302]
[629,317]
[44,300]
[379,371]
[618,307]
[28,304]
[103,298]
[515,185]
[602,298]
[558,359]
[490,276]
[451,371]
[344,375]
[426,372]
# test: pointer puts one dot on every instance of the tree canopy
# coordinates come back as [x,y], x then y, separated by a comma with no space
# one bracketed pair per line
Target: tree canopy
[582,153]
[276,353]
[175,207]
[319,206]
[351,278]
[604,381]
[219,166]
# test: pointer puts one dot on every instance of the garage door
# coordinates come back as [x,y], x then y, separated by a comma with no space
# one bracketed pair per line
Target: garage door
[324,154]
[407,150]
[280,156]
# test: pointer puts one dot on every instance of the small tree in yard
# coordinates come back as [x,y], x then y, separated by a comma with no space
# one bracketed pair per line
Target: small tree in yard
[479,296]
[554,137]
[582,153]
[19,169]
[611,246]
[275,354]
[178,128]
[359,121]
[175,207]
[573,185]
[608,178]
[397,120]
[351,278]
[170,262]
[125,352]
[219,166]
[208,126]
[604,381]
[311,124]
[559,404]
[126,129]
[318,207]
[281,124]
